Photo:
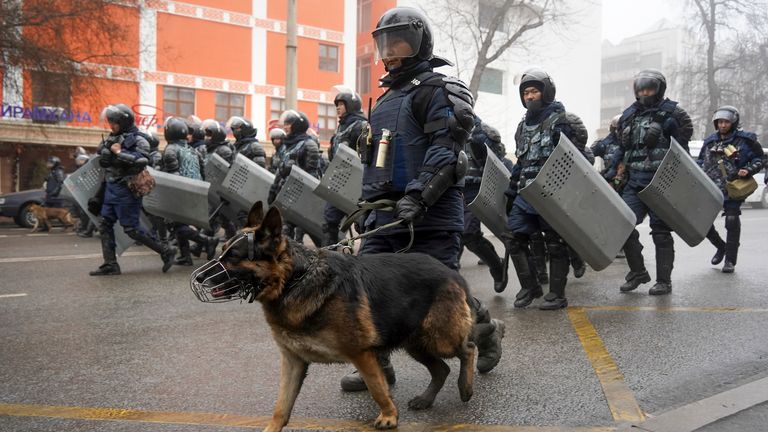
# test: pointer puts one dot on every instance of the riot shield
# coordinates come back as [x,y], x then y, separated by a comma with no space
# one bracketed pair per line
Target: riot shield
[179,199]
[580,205]
[683,196]
[246,183]
[299,204]
[490,204]
[342,183]
[216,169]
[84,184]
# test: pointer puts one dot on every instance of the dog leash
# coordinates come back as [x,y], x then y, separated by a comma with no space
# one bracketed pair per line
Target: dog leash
[347,245]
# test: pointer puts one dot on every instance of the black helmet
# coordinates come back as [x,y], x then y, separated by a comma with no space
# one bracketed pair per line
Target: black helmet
[211,128]
[120,114]
[241,128]
[650,79]
[403,24]
[175,129]
[350,99]
[297,120]
[541,80]
[153,140]
[727,112]
[54,161]
[194,127]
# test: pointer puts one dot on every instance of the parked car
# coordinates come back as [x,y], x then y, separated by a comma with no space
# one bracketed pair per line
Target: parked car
[16,205]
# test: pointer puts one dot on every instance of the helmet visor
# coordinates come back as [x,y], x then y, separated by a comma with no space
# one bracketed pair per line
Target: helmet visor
[402,41]
[110,114]
[724,114]
[647,83]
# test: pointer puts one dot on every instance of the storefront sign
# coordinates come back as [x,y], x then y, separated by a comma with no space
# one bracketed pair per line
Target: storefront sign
[48,114]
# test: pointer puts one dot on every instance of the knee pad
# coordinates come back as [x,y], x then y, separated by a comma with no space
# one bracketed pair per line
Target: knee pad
[663,240]
[515,243]
[732,221]
[470,239]
[555,245]
[132,232]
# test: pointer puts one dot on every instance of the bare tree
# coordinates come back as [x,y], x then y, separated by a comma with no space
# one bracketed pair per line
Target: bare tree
[730,66]
[63,38]
[486,29]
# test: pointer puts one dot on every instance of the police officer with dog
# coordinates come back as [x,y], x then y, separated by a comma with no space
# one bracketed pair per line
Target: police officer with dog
[537,136]
[123,155]
[414,164]
[728,154]
[54,182]
[645,131]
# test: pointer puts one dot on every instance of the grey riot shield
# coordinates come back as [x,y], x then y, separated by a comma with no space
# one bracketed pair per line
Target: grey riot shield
[490,204]
[683,196]
[580,205]
[216,169]
[246,183]
[84,184]
[299,204]
[179,199]
[342,183]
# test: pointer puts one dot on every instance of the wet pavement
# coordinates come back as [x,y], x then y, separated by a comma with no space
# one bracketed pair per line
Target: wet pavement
[138,352]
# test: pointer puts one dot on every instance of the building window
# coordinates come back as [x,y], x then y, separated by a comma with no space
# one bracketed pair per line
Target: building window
[228,105]
[178,102]
[486,12]
[51,90]
[492,81]
[364,75]
[276,107]
[363,16]
[329,58]
[326,119]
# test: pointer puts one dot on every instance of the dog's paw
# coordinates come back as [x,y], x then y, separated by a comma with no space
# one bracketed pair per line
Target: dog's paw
[420,403]
[272,427]
[465,393]
[385,422]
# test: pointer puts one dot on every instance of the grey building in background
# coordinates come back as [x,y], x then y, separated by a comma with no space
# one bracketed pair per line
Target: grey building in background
[662,47]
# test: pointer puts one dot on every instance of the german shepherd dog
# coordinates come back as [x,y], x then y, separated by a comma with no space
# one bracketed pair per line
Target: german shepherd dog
[43,215]
[329,307]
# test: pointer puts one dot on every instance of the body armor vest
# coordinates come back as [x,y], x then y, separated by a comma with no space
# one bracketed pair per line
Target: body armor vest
[536,144]
[407,145]
[639,157]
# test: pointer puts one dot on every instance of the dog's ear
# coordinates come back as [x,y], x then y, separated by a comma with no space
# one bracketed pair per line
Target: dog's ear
[272,225]
[256,215]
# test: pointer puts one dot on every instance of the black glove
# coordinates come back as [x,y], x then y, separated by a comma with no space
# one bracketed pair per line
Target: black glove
[94,205]
[410,208]
[285,171]
[652,135]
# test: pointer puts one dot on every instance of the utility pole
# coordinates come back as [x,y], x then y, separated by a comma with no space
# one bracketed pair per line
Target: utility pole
[290,58]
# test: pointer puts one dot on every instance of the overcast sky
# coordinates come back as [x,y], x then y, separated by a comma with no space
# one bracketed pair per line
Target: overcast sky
[625,18]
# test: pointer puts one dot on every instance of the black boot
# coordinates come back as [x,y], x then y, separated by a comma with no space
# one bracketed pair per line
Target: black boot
[732,237]
[558,270]
[714,237]
[530,288]
[539,255]
[487,334]
[637,275]
[484,250]
[167,253]
[184,259]
[353,382]
[110,266]
[578,264]
[665,258]
[208,242]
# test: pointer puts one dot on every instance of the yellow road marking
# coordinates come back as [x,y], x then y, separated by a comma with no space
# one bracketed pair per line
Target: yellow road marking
[715,309]
[66,257]
[234,420]
[621,400]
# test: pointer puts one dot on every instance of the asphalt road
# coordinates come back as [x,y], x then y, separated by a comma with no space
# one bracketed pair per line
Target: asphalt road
[138,352]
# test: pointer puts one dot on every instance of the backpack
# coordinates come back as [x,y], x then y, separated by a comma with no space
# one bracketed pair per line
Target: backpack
[189,164]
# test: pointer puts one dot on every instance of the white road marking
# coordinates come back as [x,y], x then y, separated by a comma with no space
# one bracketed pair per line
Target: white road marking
[13,295]
[66,257]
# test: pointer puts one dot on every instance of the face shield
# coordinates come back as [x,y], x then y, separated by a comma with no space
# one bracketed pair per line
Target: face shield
[399,41]
[724,114]
[646,83]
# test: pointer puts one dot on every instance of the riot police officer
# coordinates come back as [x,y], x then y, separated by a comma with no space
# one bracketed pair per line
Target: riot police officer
[245,140]
[645,130]
[352,130]
[414,164]
[537,136]
[123,154]
[277,136]
[53,183]
[727,154]
[195,135]
[216,140]
[482,135]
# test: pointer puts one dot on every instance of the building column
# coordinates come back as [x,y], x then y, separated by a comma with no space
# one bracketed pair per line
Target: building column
[148,61]
[259,61]
[350,44]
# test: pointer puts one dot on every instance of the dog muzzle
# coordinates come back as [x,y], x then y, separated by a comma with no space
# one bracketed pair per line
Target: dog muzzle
[212,283]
